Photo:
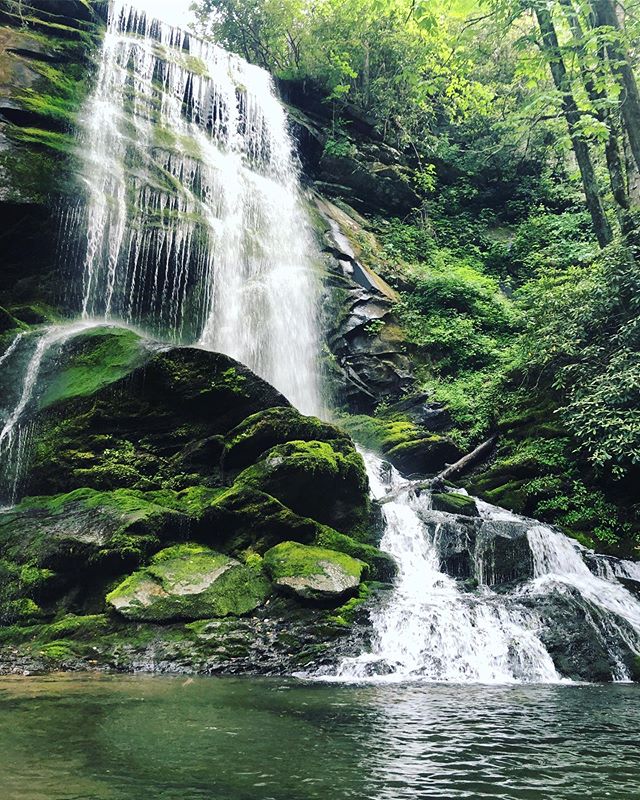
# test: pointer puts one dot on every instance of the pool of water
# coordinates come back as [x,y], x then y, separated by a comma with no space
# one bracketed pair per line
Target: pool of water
[93,737]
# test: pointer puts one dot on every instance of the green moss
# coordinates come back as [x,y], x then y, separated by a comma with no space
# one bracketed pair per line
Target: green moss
[196,65]
[302,475]
[381,565]
[345,615]
[292,560]
[96,358]
[60,142]
[87,530]
[379,434]
[454,503]
[242,518]
[266,429]
[189,581]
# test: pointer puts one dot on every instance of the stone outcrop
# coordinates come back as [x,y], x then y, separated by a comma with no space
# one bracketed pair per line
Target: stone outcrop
[162,476]
[313,573]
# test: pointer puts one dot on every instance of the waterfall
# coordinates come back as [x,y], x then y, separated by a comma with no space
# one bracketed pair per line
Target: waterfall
[432,628]
[196,229]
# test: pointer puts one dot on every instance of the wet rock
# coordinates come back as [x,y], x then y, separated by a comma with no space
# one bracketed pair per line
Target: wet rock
[580,637]
[455,541]
[454,503]
[313,573]
[496,553]
[425,456]
[503,553]
[190,582]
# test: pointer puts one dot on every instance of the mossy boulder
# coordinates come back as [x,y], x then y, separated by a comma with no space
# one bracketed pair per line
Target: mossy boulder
[425,456]
[190,582]
[87,531]
[121,414]
[323,480]
[313,573]
[244,518]
[404,442]
[381,566]
[273,426]
[454,503]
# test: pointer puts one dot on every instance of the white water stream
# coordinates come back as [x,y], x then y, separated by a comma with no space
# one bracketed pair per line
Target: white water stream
[194,229]
[430,628]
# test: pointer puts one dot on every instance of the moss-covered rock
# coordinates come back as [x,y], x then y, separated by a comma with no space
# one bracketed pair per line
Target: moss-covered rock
[244,518]
[454,503]
[266,429]
[381,566]
[424,456]
[313,573]
[190,582]
[120,414]
[85,532]
[323,480]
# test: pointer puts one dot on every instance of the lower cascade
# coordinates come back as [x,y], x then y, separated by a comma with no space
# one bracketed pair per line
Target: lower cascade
[434,627]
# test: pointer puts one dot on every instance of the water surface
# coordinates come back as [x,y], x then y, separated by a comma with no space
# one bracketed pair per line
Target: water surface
[133,738]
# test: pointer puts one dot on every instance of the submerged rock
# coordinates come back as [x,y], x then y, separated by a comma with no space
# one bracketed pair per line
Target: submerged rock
[190,582]
[313,573]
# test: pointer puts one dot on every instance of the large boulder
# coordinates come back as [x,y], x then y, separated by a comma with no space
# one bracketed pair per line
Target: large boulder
[495,553]
[313,573]
[190,582]
[323,480]
[585,643]
[116,412]
[260,432]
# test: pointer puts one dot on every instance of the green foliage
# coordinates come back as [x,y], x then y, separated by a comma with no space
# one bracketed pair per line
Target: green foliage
[457,317]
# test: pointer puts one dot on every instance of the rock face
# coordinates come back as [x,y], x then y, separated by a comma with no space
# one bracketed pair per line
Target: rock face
[162,477]
[579,638]
[47,51]
[363,334]
[313,573]
[190,582]
[371,176]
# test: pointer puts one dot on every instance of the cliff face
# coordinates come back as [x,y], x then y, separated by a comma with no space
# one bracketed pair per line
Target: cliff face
[47,57]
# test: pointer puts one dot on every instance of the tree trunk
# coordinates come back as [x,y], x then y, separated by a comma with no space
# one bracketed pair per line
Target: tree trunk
[598,97]
[605,16]
[571,112]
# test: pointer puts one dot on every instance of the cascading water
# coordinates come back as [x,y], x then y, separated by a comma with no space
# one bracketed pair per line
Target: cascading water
[194,228]
[431,628]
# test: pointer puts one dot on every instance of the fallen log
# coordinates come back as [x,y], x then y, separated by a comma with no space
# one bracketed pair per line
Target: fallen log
[464,463]
[461,465]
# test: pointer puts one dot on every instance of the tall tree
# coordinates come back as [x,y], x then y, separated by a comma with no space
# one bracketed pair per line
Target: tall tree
[601,103]
[572,114]
[607,20]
